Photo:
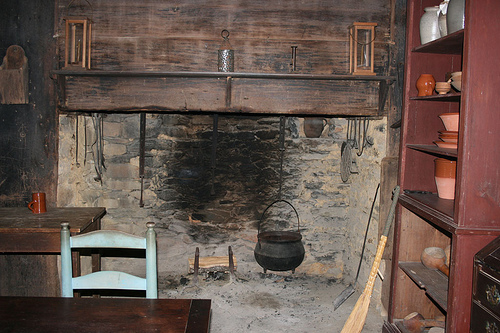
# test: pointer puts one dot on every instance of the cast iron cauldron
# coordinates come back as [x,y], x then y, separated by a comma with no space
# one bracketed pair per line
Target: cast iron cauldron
[279,250]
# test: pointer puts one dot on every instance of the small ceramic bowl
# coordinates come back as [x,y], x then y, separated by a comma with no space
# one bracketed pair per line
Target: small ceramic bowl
[450,140]
[443,87]
[456,80]
[450,133]
[450,121]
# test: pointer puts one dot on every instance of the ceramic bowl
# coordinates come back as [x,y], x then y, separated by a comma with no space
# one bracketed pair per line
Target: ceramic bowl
[450,140]
[456,80]
[443,87]
[451,133]
[450,121]
[449,136]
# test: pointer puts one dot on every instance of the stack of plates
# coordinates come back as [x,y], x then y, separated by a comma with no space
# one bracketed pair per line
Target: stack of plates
[449,139]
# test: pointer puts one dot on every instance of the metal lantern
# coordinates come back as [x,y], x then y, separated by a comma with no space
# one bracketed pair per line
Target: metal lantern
[361,48]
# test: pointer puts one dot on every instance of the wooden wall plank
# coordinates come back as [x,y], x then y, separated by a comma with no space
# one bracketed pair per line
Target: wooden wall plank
[185,36]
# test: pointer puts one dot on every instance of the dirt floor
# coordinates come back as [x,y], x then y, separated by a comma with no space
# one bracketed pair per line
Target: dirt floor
[274,303]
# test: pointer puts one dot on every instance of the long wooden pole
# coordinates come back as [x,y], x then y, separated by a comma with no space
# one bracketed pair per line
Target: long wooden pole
[357,318]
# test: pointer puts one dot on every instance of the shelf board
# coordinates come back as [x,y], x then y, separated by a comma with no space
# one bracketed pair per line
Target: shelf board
[433,282]
[434,150]
[450,97]
[233,75]
[450,44]
[431,207]
[90,85]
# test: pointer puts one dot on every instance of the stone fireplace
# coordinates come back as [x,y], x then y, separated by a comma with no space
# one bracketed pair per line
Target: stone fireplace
[178,186]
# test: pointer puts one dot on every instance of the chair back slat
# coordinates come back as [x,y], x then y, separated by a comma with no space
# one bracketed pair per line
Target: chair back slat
[109,280]
[103,239]
[108,239]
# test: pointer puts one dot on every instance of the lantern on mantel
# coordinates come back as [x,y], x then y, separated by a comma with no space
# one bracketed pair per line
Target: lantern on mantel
[78,41]
[361,48]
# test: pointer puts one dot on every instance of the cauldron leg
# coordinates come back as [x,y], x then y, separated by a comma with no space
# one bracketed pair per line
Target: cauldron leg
[265,270]
[293,271]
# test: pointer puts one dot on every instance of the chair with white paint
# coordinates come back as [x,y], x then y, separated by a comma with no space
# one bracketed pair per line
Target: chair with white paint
[110,280]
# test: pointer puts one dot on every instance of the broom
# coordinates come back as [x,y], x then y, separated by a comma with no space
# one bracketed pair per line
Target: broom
[357,318]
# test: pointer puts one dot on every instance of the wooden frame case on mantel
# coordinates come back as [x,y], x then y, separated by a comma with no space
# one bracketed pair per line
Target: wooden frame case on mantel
[361,48]
[78,42]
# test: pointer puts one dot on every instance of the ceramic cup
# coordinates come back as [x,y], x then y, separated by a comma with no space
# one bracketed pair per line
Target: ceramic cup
[445,175]
[37,204]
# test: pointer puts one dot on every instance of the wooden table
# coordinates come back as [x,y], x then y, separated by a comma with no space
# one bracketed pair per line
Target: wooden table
[80,315]
[27,238]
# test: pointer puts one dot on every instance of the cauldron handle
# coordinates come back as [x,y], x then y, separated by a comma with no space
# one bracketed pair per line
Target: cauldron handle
[265,210]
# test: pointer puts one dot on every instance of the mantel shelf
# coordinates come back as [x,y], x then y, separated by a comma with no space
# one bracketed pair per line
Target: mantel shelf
[223,85]
[234,75]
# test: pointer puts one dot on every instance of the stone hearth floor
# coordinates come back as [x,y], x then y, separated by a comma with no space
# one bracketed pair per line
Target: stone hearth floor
[271,303]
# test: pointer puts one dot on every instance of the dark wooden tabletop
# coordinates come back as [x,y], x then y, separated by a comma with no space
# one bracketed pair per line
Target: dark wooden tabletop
[14,218]
[81,315]
[22,231]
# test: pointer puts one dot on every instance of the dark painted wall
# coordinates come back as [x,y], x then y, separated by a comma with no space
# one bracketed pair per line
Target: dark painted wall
[28,132]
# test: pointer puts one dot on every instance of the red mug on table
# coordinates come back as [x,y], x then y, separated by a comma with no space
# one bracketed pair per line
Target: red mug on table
[37,204]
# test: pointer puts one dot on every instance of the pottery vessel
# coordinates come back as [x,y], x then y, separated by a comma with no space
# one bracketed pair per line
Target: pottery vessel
[455,16]
[448,136]
[456,80]
[442,144]
[443,88]
[429,25]
[450,121]
[37,204]
[443,8]
[313,126]
[425,85]
[445,175]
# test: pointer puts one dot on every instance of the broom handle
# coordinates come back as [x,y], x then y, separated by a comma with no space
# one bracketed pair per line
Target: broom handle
[390,217]
[383,241]
[376,265]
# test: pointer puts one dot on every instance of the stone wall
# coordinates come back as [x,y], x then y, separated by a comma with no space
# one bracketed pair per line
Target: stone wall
[178,186]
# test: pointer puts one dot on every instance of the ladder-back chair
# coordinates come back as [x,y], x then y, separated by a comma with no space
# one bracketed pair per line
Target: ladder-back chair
[111,280]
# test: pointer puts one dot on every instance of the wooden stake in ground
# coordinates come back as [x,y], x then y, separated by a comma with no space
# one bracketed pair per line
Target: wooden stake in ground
[357,318]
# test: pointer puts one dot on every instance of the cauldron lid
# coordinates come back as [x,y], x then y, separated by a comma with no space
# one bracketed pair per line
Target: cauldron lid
[279,236]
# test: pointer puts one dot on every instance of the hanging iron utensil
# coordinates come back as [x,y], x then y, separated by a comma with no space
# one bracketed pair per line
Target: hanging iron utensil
[363,139]
[76,140]
[346,151]
[279,250]
[214,151]
[142,148]
[98,145]
[357,138]
[282,152]
[85,139]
